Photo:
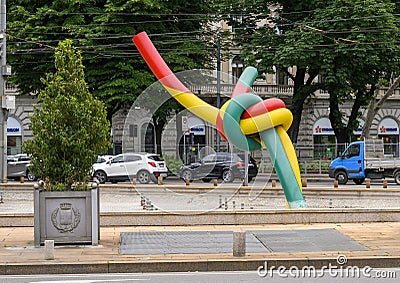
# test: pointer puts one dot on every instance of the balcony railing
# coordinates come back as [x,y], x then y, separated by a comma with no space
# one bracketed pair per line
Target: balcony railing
[10,89]
[263,90]
[266,90]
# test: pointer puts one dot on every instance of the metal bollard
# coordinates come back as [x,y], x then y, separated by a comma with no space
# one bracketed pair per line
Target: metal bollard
[187,182]
[239,243]
[273,183]
[335,184]
[220,201]
[385,184]
[160,180]
[304,183]
[1,197]
[367,183]
[215,182]
[22,179]
[234,204]
[242,205]
[134,181]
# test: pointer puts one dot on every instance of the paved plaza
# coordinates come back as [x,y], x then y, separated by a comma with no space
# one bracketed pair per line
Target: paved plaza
[125,247]
[375,245]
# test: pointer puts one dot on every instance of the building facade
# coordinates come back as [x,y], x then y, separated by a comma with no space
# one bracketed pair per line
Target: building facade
[191,138]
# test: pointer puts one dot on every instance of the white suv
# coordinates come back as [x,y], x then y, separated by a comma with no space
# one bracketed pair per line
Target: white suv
[145,167]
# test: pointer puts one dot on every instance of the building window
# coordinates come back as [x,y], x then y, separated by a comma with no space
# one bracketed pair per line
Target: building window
[388,130]
[237,69]
[147,138]
[281,77]
[324,139]
[14,136]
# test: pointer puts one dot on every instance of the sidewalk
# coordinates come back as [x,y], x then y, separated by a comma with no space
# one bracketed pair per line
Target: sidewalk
[19,256]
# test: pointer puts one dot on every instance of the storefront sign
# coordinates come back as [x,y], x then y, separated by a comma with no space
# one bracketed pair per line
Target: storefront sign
[196,126]
[388,126]
[323,127]
[13,127]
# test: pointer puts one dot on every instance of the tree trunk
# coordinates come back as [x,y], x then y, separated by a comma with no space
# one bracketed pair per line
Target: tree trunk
[344,132]
[301,90]
[158,128]
[373,110]
[297,111]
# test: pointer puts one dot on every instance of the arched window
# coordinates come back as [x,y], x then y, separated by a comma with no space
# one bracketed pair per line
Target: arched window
[237,68]
[147,138]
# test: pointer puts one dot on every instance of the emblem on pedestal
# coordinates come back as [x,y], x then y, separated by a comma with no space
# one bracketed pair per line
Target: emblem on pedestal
[65,218]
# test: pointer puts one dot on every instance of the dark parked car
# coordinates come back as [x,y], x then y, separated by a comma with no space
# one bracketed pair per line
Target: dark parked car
[18,166]
[223,165]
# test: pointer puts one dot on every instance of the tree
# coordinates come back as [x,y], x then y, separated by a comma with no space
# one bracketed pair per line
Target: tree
[334,40]
[70,126]
[102,30]
[366,53]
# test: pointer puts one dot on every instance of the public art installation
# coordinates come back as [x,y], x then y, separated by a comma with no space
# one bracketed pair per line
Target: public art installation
[246,121]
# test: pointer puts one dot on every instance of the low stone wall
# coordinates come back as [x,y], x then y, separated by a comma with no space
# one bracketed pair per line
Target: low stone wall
[156,218]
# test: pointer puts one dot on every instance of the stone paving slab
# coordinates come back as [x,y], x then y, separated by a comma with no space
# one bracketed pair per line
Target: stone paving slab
[307,241]
[184,242]
[19,256]
[205,242]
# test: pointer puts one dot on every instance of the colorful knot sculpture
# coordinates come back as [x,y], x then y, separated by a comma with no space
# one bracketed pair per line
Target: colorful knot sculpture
[246,121]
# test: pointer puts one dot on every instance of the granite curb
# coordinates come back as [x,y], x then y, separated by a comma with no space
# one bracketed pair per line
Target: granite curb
[228,217]
[189,266]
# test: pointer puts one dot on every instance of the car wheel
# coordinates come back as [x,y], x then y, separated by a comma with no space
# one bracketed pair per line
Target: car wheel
[206,180]
[187,175]
[227,176]
[358,181]
[30,176]
[101,176]
[397,177]
[143,177]
[341,177]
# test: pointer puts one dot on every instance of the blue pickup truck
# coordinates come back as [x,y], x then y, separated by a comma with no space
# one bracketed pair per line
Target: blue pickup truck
[364,159]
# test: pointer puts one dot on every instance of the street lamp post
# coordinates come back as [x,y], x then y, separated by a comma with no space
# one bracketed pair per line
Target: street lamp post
[3,115]
[218,138]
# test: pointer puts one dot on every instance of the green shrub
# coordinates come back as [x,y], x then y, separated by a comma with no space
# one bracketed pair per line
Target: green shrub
[70,127]
[173,164]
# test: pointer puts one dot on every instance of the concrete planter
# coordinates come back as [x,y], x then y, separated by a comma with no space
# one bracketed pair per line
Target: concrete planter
[67,217]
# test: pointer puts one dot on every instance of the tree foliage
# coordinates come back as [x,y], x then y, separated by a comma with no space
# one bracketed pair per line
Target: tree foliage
[103,31]
[70,127]
[349,45]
